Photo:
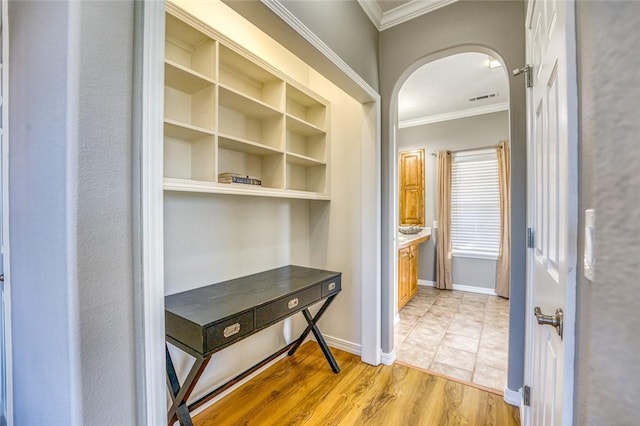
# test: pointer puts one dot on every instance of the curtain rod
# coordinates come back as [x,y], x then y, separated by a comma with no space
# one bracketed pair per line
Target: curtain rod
[469,149]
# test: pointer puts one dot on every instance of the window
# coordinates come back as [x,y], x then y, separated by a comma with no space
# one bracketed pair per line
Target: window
[475,204]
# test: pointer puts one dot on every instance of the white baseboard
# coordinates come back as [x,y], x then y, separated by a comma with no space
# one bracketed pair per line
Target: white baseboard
[462,287]
[388,358]
[512,397]
[344,345]
[396,319]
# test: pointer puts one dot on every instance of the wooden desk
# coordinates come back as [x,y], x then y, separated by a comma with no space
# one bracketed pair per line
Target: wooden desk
[205,320]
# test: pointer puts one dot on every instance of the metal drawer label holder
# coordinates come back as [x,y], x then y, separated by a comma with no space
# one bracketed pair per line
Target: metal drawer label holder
[231,330]
[292,303]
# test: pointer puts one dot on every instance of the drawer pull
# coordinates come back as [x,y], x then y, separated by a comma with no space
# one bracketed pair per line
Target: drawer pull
[292,303]
[231,330]
[332,286]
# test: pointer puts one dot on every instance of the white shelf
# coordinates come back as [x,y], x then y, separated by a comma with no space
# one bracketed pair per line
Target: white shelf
[243,145]
[184,79]
[186,185]
[226,111]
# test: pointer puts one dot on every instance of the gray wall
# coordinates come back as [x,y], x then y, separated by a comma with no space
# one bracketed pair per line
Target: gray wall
[608,343]
[341,25]
[481,26]
[70,211]
[464,133]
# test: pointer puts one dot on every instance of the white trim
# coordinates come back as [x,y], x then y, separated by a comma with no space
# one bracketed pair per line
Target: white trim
[4,193]
[512,397]
[388,358]
[290,19]
[470,112]
[462,287]
[413,9]
[149,248]
[343,345]
[396,319]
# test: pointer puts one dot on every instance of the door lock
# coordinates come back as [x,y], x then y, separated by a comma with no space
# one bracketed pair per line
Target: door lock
[556,320]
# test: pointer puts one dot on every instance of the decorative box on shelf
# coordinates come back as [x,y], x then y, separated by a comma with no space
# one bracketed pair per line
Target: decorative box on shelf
[238,178]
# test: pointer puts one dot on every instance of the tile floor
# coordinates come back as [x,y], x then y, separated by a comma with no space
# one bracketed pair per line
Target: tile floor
[459,334]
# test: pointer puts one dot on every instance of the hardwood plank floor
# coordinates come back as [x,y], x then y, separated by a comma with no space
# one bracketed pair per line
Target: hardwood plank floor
[302,390]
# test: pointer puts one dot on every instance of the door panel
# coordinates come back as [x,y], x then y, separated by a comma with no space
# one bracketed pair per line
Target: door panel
[552,189]
[412,187]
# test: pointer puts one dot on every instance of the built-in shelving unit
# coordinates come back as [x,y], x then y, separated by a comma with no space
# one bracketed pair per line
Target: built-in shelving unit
[227,112]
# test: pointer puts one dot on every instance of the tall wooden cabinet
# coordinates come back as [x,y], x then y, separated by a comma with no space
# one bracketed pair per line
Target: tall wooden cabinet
[407,274]
[412,187]
[226,111]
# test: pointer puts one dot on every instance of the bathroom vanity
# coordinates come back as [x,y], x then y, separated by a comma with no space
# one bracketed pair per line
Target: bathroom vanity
[408,264]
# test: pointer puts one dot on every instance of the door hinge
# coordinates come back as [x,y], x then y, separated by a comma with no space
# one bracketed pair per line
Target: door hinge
[527,70]
[530,238]
[526,396]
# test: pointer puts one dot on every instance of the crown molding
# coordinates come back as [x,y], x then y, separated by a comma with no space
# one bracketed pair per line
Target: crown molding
[283,13]
[504,106]
[413,9]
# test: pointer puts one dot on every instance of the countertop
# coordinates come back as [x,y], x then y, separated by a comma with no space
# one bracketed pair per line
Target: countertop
[405,240]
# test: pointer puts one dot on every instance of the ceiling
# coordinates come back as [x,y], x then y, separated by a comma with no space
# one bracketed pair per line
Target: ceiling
[441,90]
[387,13]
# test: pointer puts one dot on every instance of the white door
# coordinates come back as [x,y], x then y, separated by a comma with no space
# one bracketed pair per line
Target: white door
[552,194]
[5,306]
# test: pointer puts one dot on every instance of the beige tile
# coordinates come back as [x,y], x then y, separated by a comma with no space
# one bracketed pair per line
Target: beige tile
[498,343]
[408,318]
[430,343]
[493,378]
[450,294]
[457,341]
[398,338]
[472,309]
[436,327]
[450,303]
[415,356]
[455,358]
[441,311]
[493,358]
[413,310]
[475,297]
[404,327]
[451,371]
[420,302]
[468,317]
[465,328]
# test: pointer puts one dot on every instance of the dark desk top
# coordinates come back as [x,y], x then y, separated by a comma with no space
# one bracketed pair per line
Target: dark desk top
[206,305]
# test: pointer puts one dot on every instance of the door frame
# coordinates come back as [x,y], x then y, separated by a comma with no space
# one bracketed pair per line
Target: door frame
[4,193]
[391,287]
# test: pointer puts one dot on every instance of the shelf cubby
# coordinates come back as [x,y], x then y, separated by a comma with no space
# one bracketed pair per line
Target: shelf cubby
[303,174]
[266,165]
[192,159]
[308,144]
[305,108]
[245,76]
[193,109]
[189,47]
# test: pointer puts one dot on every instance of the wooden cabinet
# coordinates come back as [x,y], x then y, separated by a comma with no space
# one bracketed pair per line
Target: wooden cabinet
[228,112]
[407,274]
[412,187]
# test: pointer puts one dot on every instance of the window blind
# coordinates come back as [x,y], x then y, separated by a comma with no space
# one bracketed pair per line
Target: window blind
[475,204]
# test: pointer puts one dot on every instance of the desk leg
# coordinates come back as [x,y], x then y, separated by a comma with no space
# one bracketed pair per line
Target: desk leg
[180,394]
[312,327]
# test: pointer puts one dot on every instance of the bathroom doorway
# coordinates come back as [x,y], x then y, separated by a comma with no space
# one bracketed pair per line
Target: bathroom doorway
[458,104]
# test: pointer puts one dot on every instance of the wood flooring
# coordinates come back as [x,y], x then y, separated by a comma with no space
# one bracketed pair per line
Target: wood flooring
[302,390]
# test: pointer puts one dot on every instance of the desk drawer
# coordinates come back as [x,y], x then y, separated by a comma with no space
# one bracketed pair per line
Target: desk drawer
[230,330]
[331,287]
[281,308]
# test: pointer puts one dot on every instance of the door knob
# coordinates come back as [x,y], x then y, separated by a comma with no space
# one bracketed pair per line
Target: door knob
[556,320]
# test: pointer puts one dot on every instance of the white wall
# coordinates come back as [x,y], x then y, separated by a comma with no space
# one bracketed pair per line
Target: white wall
[211,238]
[464,133]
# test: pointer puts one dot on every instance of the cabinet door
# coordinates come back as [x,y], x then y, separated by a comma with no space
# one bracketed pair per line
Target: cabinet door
[404,276]
[413,271]
[412,187]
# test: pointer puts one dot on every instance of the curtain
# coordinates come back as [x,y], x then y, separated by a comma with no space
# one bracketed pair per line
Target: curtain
[503,266]
[443,244]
